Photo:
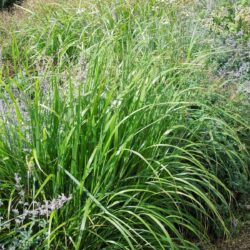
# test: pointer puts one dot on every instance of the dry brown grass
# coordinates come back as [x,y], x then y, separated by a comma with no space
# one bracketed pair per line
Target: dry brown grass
[15,16]
[18,12]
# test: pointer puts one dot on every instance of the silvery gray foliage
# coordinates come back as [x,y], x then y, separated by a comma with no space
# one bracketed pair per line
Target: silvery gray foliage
[23,237]
[25,210]
[245,88]
[73,83]
[18,181]
[42,69]
[47,207]
[235,65]
[10,110]
[15,100]
[35,212]
[35,209]
[79,75]
[229,27]
[81,69]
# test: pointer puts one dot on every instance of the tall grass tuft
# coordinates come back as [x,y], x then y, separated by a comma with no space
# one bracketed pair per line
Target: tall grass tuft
[105,111]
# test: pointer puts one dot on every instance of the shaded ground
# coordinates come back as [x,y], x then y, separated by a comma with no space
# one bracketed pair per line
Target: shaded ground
[241,241]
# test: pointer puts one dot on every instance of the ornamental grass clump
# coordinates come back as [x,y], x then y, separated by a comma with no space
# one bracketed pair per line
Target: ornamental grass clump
[120,120]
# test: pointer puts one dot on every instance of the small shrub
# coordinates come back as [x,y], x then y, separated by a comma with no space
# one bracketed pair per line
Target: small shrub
[230,26]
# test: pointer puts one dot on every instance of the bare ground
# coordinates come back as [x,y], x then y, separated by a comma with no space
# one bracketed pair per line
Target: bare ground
[241,241]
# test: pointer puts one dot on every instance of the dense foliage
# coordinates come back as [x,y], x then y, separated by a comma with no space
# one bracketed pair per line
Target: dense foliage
[112,136]
[229,24]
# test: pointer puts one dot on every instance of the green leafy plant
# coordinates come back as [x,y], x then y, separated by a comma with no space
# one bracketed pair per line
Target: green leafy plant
[230,25]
